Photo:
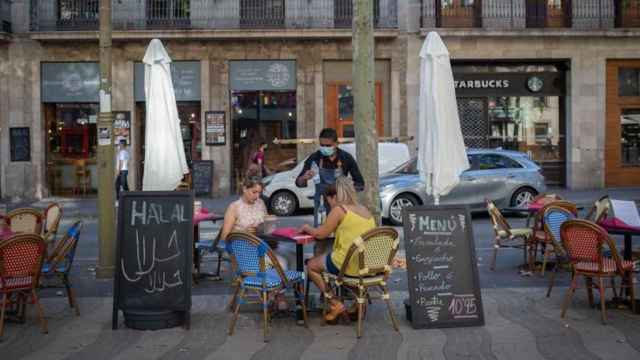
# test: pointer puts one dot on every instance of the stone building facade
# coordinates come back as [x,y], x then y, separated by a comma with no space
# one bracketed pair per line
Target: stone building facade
[573,125]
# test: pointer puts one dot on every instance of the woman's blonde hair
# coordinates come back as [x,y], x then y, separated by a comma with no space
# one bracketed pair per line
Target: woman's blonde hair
[344,191]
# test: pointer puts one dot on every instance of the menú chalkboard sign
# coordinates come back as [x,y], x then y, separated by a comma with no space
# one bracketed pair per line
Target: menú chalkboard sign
[154,253]
[441,267]
[20,144]
[202,176]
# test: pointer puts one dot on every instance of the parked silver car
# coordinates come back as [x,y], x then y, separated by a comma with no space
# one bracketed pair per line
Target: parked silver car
[509,178]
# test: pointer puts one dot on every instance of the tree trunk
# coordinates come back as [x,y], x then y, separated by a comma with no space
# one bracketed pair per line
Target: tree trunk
[364,102]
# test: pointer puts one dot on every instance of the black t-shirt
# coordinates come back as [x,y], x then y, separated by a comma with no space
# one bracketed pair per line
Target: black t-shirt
[343,159]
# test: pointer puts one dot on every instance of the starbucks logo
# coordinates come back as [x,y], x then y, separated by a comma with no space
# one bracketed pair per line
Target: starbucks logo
[278,75]
[72,83]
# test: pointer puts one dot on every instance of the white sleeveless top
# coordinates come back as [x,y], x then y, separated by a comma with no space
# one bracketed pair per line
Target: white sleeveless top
[249,215]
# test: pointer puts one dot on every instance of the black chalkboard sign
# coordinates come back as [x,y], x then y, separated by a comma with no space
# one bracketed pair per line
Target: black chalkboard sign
[154,253]
[441,267]
[202,176]
[20,144]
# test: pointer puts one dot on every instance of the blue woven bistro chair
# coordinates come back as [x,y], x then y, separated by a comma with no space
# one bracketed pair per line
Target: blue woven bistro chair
[249,256]
[554,217]
[59,263]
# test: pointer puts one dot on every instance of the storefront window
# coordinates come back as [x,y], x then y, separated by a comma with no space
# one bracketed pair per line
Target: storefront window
[262,116]
[629,82]
[527,124]
[71,148]
[630,137]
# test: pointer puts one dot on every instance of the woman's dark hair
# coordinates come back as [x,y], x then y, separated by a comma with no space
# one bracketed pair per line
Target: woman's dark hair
[330,191]
[250,182]
[328,133]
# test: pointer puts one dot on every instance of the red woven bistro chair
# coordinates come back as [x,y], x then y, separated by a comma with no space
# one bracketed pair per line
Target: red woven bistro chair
[20,262]
[25,220]
[541,238]
[584,242]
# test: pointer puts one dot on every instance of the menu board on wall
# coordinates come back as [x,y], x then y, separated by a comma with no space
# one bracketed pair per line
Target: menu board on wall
[441,267]
[20,144]
[202,176]
[122,126]
[215,131]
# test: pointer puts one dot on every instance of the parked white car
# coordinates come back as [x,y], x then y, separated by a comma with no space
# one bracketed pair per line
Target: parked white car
[283,197]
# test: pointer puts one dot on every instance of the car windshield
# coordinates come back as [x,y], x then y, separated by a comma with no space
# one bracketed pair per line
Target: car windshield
[409,167]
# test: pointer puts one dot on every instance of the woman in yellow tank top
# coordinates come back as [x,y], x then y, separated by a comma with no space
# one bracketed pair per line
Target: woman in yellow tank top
[348,220]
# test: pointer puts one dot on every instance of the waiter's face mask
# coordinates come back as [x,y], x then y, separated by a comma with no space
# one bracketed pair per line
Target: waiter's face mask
[327,147]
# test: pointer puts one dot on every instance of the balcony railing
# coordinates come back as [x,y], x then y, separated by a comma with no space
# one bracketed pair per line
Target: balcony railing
[5,15]
[521,14]
[74,15]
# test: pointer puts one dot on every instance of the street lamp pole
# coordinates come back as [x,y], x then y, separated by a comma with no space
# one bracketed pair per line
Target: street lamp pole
[106,166]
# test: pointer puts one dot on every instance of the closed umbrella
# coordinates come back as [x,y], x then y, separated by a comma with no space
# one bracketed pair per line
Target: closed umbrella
[164,160]
[441,151]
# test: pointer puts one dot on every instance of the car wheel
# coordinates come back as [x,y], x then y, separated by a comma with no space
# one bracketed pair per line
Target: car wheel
[522,197]
[400,202]
[283,203]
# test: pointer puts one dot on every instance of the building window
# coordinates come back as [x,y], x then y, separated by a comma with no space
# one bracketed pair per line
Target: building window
[458,13]
[629,82]
[630,137]
[548,13]
[78,14]
[628,13]
[168,13]
[262,13]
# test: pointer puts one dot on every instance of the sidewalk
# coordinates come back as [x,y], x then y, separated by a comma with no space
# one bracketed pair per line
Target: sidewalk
[519,324]
[87,208]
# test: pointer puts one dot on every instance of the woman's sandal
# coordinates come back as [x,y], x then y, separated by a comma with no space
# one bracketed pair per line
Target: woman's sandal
[336,312]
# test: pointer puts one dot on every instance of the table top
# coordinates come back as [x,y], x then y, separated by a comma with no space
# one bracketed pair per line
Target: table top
[613,226]
[205,215]
[298,239]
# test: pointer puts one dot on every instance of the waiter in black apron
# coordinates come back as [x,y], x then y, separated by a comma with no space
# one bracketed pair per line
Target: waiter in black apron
[325,165]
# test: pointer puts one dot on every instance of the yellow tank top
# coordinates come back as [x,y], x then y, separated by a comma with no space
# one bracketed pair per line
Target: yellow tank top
[351,227]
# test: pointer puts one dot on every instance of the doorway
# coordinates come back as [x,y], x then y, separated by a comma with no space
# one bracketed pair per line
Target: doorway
[339,107]
[262,116]
[190,126]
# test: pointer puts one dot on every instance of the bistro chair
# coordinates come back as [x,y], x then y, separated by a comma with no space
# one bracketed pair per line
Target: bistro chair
[58,265]
[599,210]
[584,242]
[52,217]
[554,217]
[21,259]
[505,235]
[374,252]
[25,220]
[249,261]
[541,236]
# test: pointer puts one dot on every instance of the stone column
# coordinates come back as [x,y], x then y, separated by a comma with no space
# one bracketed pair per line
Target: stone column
[123,100]
[218,100]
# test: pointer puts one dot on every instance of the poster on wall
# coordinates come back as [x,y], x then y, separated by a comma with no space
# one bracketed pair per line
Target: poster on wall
[122,126]
[20,144]
[215,128]
[104,136]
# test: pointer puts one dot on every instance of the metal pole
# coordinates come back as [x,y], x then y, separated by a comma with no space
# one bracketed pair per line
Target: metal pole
[106,166]
[364,102]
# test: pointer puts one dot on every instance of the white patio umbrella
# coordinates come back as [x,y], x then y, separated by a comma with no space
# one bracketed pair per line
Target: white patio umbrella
[441,151]
[164,160]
